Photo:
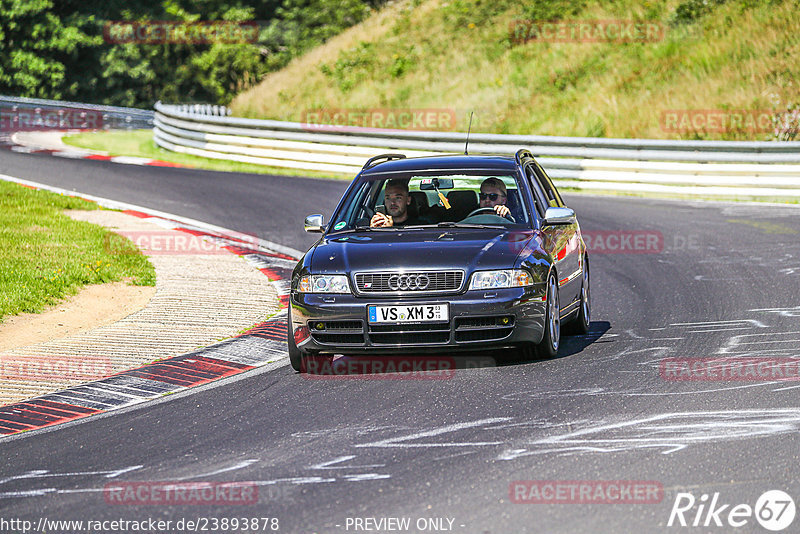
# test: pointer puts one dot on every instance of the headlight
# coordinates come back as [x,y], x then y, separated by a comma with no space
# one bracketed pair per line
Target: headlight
[323,283]
[504,278]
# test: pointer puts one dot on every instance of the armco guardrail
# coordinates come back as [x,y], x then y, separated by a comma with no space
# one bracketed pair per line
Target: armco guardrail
[20,114]
[725,168]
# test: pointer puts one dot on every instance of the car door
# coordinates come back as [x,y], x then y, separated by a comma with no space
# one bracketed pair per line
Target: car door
[563,241]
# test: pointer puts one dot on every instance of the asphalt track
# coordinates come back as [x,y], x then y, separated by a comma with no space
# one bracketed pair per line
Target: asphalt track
[725,283]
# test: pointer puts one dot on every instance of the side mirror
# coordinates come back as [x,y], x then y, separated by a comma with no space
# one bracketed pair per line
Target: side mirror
[554,216]
[314,223]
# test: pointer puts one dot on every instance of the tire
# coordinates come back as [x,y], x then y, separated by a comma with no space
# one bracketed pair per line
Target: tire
[580,325]
[298,359]
[551,340]
[295,356]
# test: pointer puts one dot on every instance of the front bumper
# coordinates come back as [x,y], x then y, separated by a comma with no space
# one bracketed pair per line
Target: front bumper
[477,319]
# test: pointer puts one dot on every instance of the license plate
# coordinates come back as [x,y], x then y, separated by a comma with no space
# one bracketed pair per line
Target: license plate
[408,313]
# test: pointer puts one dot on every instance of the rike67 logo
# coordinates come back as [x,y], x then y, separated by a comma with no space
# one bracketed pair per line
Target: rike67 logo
[774,510]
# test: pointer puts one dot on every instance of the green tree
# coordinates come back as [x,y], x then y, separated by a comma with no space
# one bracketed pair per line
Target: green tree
[56,48]
[39,48]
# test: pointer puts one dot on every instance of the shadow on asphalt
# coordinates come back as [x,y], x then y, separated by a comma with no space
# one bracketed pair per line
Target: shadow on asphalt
[570,345]
[425,364]
[574,344]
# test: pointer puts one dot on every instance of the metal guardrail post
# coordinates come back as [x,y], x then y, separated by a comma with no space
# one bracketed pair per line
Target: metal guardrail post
[113,117]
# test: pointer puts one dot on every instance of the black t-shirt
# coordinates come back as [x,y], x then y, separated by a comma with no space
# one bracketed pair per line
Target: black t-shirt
[410,221]
[413,221]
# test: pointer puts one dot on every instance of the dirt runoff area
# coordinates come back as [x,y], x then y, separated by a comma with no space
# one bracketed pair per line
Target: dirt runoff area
[95,305]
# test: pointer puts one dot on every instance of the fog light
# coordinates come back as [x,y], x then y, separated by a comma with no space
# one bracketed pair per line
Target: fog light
[320,326]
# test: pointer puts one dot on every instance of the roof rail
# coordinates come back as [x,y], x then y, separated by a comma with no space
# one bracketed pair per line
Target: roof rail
[388,157]
[522,153]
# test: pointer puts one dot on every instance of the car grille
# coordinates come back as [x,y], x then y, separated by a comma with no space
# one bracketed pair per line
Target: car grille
[409,334]
[416,282]
[338,339]
[467,329]
[342,325]
[337,332]
[483,328]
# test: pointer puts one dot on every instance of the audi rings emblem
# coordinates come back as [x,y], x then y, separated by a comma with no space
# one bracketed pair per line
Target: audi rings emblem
[409,282]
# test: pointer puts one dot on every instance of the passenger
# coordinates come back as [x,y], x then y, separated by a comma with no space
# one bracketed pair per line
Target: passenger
[494,195]
[397,201]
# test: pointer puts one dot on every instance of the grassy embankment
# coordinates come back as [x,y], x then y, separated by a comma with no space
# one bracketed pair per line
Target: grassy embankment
[460,55]
[45,256]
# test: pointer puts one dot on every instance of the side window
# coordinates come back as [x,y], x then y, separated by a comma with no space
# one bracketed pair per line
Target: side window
[553,198]
[538,194]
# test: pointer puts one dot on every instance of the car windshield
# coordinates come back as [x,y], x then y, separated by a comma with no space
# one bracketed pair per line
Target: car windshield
[433,199]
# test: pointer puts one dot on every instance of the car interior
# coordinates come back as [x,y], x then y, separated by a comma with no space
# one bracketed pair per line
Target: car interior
[461,195]
[462,203]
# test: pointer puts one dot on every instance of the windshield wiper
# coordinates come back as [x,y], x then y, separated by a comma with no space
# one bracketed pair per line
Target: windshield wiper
[374,228]
[353,230]
[467,225]
[447,224]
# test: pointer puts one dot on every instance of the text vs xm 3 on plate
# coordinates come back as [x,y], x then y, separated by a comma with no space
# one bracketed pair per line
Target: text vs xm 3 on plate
[439,254]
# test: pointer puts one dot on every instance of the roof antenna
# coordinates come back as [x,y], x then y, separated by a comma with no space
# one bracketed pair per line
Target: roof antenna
[466,145]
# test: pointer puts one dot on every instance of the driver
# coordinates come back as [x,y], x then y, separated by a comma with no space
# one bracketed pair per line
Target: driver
[397,200]
[493,195]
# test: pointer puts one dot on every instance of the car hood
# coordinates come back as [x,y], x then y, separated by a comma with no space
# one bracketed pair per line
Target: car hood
[439,248]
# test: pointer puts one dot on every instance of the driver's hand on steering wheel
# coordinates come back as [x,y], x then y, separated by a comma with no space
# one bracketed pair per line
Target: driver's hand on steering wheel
[501,210]
[381,220]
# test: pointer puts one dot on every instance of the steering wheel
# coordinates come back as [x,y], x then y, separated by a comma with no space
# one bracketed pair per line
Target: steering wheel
[487,211]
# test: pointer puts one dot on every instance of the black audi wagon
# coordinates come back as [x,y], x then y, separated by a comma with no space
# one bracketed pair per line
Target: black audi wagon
[457,274]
